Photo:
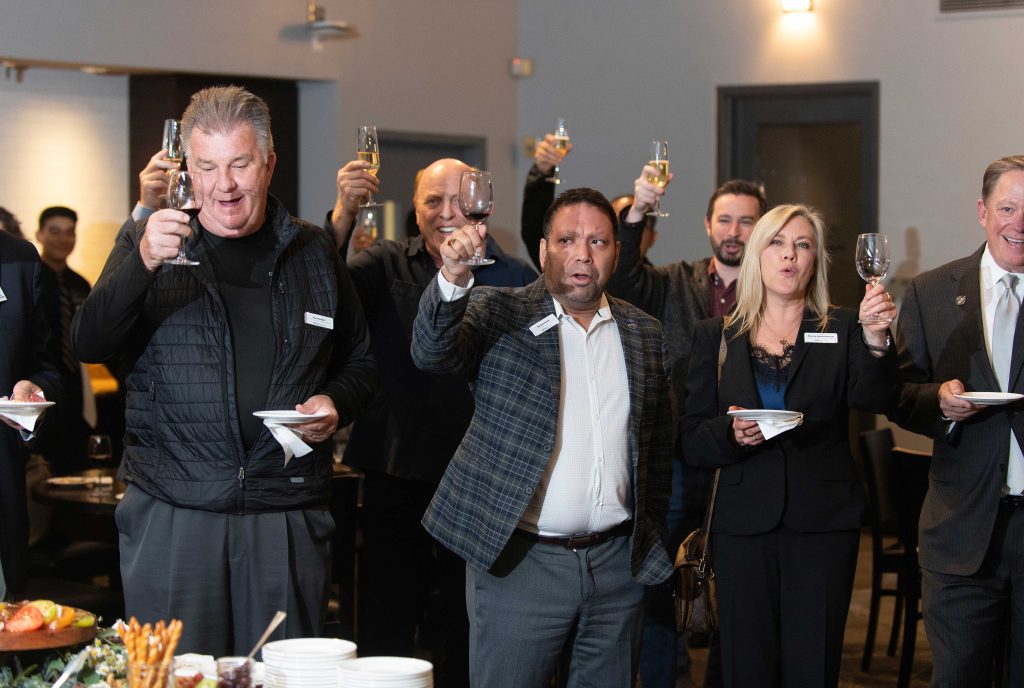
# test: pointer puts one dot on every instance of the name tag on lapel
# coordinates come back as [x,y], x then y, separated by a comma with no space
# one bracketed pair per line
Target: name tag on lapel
[541,326]
[319,321]
[821,337]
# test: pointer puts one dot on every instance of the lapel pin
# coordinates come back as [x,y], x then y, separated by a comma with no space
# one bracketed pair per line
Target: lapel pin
[961,300]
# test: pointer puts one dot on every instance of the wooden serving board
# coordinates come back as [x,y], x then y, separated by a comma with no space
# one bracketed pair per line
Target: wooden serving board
[45,639]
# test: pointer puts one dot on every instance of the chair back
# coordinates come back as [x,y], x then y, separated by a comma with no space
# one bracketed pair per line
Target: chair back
[911,478]
[879,475]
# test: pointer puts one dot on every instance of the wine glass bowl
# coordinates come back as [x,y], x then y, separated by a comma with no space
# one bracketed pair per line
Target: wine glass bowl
[368,151]
[561,144]
[172,140]
[182,195]
[873,263]
[476,201]
[659,161]
[99,452]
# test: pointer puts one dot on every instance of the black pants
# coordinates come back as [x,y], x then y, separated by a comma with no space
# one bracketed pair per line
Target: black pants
[783,599]
[399,566]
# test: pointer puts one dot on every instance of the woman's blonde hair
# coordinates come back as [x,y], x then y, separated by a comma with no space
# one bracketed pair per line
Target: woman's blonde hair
[749,285]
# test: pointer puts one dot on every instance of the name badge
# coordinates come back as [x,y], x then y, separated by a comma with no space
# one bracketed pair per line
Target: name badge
[541,326]
[3,296]
[821,337]
[319,321]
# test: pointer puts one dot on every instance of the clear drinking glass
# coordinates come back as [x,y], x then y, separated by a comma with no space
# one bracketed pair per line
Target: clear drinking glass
[182,195]
[367,150]
[659,161]
[476,201]
[873,262]
[172,140]
[368,221]
[234,672]
[561,144]
[99,453]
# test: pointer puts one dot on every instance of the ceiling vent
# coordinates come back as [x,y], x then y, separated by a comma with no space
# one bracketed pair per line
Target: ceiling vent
[978,5]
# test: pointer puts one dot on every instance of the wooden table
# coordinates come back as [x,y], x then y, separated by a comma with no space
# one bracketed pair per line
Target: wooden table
[83,499]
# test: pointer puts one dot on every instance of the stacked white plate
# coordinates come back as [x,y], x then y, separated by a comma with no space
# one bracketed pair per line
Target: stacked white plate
[386,672]
[305,662]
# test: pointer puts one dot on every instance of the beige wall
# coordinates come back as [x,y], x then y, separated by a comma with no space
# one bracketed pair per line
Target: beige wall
[416,67]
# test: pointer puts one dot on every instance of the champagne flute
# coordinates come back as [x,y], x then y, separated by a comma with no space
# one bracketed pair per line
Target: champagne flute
[368,151]
[99,453]
[368,221]
[659,161]
[873,262]
[476,201]
[172,140]
[561,145]
[181,195]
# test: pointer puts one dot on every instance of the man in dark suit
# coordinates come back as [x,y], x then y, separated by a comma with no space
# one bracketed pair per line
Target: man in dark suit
[25,372]
[959,332]
[556,497]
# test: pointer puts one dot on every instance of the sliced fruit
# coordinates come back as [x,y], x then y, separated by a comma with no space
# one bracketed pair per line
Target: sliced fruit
[25,620]
[65,615]
[48,609]
[83,619]
[207,683]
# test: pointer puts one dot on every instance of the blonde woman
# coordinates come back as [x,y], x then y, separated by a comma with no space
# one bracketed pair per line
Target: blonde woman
[789,508]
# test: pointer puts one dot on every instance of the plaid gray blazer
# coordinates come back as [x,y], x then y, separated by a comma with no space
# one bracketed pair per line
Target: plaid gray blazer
[516,379]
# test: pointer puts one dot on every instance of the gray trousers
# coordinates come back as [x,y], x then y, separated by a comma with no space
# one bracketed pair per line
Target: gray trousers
[538,599]
[224,575]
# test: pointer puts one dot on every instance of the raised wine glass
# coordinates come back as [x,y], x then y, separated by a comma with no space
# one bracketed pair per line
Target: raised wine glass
[99,453]
[368,151]
[172,140]
[873,262]
[476,201]
[561,145]
[659,161]
[368,221]
[182,195]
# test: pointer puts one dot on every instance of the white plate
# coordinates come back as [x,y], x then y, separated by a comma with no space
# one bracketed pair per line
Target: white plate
[8,405]
[289,417]
[776,415]
[313,649]
[989,398]
[71,481]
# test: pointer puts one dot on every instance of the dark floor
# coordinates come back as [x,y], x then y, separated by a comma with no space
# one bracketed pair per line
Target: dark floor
[884,670]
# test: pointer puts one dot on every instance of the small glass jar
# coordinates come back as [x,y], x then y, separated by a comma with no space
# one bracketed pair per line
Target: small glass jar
[234,672]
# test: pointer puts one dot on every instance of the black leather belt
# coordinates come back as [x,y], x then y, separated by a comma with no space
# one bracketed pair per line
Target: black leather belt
[579,541]
[1012,501]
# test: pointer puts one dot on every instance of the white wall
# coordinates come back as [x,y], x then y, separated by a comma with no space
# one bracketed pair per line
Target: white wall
[951,99]
[438,67]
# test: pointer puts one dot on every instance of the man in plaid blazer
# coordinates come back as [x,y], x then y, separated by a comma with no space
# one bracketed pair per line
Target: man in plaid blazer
[556,496]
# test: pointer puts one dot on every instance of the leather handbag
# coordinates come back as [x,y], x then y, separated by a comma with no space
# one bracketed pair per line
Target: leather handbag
[694,588]
[695,592]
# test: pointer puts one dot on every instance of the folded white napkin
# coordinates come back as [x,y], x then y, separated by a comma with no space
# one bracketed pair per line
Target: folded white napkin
[26,418]
[290,440]
[771,428]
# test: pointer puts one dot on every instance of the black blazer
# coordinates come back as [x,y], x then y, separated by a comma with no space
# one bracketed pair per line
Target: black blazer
[806,477]
[24,347]
[940,337]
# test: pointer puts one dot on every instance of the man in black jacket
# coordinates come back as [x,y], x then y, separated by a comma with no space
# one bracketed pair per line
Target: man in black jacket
[25,371]
[408,434]
[221,526]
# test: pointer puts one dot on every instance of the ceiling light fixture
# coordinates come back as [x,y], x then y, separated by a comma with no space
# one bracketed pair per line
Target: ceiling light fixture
[797,5]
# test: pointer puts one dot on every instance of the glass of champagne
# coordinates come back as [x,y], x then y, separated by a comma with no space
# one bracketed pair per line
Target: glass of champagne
[476,201]
[182,195]
[368,151]
[561,145]
[659,161]
[172,140]
[99,453]
[873,262]
[368,222]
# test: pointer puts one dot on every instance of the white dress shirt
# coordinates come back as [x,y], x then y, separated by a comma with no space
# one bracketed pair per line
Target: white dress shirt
[991,290]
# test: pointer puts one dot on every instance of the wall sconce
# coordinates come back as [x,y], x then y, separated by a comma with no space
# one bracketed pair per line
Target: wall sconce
[797,5]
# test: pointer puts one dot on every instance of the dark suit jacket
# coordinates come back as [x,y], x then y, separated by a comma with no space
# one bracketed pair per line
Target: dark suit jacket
[941,340]
[805,477]
[516,383]
[24,347]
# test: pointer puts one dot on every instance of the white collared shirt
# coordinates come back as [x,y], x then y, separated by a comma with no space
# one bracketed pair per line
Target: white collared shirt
[587,486]
[991,290]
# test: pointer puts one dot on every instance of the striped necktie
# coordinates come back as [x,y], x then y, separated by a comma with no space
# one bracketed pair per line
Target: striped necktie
[67,312]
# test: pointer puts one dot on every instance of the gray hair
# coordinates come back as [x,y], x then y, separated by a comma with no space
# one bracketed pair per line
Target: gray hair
[219,109]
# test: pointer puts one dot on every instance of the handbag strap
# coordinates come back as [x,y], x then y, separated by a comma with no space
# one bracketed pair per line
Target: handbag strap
[722,349]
